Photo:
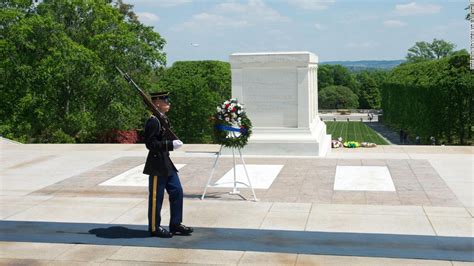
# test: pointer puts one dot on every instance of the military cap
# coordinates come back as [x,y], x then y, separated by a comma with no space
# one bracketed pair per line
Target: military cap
[163,95]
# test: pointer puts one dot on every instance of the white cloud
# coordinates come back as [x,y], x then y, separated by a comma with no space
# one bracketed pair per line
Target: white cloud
[394,23]
[355,17]
[252,10]
[147,18]
[158,3]
[203,19]
[416,9]
[230,7]
[318,26]
[233,15]
[312,4]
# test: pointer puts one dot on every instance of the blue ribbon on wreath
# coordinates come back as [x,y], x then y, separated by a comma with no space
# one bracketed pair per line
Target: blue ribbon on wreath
[242,130]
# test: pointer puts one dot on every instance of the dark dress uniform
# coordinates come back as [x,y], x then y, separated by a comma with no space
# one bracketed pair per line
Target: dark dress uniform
[162,175]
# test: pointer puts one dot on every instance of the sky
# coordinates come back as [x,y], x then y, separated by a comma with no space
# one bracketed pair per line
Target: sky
[332,29]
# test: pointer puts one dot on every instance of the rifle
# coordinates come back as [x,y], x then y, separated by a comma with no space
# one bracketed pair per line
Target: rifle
[164,124]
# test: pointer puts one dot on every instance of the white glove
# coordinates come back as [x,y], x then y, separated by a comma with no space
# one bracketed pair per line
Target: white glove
[177,144]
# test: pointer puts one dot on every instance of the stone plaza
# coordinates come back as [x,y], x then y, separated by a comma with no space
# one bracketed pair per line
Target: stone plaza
[81,204]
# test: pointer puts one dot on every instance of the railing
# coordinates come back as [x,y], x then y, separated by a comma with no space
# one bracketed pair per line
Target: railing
[349,111]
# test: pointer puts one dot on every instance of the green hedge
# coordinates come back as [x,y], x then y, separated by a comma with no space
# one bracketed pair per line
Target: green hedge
[196,88]
[431,99]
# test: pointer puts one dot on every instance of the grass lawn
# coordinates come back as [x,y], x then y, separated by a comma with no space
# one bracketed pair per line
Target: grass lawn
[353,131]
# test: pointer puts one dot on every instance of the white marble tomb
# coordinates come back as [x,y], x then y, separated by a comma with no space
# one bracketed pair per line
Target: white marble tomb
[280,95]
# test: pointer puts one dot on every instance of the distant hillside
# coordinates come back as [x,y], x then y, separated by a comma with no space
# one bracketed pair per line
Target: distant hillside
[366,64]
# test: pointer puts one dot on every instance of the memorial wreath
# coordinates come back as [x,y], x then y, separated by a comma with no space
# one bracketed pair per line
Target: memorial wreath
[232,128]
[351,144]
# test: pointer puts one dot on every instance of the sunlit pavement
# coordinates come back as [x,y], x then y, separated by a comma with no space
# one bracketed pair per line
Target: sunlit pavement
[56,208]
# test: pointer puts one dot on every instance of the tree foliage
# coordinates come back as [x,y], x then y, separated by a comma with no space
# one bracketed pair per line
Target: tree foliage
[433,98]
[196,88]
[329,75]
[423,51]
[364,84]
[60,84]
[369,94]
[336,97]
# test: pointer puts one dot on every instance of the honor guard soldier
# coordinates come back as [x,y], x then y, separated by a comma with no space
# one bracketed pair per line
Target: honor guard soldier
[160,140]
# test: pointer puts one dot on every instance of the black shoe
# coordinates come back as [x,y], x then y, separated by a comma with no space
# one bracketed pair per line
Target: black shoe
[161,232]
[180,229]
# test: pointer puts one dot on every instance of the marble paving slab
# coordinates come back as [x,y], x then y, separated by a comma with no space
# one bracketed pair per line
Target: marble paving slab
[261,176]
[363,178]
[132,178]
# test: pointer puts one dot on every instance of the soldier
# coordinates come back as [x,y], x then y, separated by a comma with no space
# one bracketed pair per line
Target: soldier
[418,140]
[405,137]
[162,172]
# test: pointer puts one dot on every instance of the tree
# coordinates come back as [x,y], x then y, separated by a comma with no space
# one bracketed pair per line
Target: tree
[325,76]
[369,97]
[59,60]
[342,76]
[423,51]
[442,48]
[329,75]
[419,52]
[336,97]
[196,87]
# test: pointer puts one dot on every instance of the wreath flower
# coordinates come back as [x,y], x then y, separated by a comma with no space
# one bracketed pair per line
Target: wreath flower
[232,128]
[351,144]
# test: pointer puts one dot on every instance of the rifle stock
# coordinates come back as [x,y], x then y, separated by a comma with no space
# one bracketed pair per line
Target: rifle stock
[148,103]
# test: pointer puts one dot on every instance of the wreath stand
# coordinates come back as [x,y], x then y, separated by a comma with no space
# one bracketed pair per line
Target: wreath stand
[234,190]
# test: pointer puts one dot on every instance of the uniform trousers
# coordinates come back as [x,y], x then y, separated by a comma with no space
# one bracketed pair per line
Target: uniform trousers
[156,189]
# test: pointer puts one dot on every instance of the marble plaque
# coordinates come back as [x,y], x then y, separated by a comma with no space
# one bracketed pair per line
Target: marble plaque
[363,178]
[261,176]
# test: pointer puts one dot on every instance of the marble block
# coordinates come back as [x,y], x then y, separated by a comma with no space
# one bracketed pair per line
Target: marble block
[280,95]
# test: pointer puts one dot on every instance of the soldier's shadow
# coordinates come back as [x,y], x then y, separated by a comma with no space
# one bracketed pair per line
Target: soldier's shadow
[115,232]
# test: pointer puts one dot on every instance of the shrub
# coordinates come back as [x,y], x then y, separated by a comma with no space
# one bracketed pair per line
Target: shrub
[336,97]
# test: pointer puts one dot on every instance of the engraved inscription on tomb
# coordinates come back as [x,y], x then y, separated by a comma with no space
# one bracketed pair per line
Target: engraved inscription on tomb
[270,96]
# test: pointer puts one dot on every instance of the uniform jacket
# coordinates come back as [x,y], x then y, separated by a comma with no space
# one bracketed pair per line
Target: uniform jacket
[158,161]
